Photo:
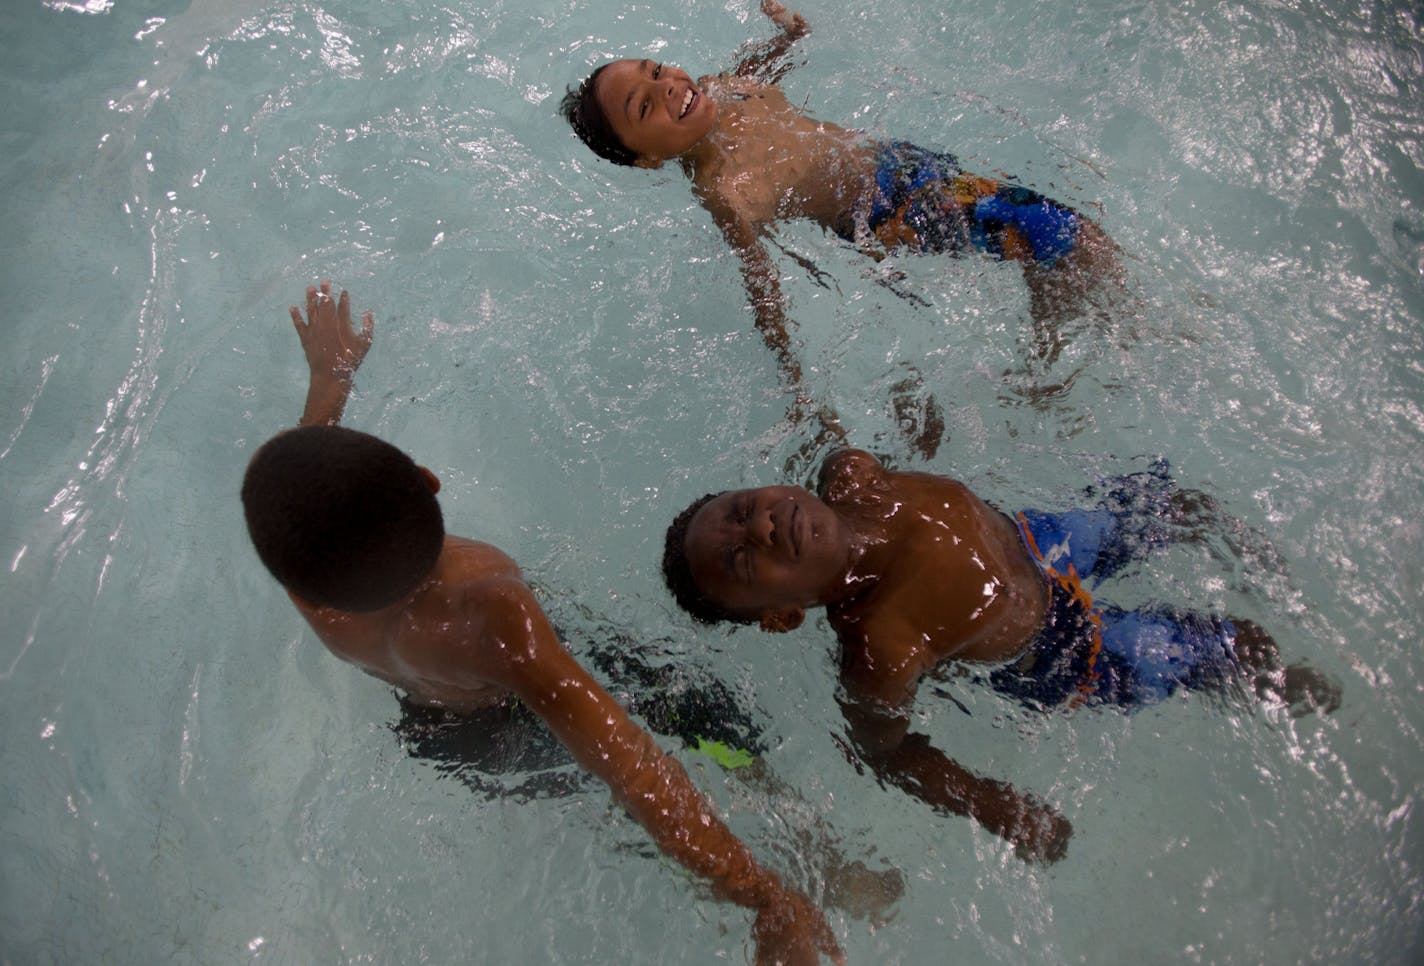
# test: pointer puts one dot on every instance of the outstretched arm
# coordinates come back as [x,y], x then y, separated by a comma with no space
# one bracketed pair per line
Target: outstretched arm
[763,286]
[762,57]
[333,350]
[881,738]
[520,651]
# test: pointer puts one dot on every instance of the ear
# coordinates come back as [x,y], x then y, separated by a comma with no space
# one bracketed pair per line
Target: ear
[781,621]
[431,480]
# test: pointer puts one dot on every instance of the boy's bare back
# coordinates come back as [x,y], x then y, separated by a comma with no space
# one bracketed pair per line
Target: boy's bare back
[462,630]
[428,646]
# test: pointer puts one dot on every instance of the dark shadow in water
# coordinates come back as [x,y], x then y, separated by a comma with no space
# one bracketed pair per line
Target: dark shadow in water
[508,752]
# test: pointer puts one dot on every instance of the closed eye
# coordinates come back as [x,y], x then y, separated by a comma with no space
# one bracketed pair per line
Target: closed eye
[743,510]
[741,565]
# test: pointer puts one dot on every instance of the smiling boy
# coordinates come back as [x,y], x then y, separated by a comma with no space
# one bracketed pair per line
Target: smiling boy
[755,160]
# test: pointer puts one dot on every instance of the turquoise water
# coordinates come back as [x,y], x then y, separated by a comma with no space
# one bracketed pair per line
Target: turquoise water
[190,778]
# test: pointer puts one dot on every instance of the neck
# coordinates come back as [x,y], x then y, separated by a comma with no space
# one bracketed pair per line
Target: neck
[707,150]
[867,555]
[332,613]
[859,573]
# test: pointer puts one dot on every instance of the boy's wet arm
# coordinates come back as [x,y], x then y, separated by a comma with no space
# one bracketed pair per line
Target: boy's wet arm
[789,21]
[763,285]
[761,281]
[652,786]
[875,698]
[766,54]
[333,349]
[877,716]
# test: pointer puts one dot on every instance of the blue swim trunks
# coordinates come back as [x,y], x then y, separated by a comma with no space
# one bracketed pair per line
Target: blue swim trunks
[925,201]
[1090,653]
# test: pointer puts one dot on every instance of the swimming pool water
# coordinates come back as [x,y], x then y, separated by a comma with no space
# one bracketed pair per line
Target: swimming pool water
[189,777]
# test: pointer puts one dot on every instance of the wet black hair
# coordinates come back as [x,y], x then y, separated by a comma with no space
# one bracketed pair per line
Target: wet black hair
[581,109]
[342,519]
[677,572]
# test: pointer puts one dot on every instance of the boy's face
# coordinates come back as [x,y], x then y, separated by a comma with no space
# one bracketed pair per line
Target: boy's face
[656,110]
[757,552]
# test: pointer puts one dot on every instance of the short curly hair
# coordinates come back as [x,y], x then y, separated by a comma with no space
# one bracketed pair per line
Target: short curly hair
[342,519]
[581,109]
[677,572]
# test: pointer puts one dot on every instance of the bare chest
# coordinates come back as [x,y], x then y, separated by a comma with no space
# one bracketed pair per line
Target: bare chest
[948,598]
[775,163]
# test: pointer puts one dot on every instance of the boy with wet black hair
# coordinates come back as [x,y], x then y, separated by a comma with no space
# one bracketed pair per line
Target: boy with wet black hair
[351,528]
[755,160]
[914,570]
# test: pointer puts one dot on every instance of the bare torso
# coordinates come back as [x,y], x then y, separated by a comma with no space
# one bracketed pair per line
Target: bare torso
[425,648]
[946,575]
[766,160]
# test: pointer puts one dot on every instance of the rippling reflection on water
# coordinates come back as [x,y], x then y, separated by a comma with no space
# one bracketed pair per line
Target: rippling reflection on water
[190,777]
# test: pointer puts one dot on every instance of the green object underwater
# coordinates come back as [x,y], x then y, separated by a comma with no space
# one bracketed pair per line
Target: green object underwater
[723,754]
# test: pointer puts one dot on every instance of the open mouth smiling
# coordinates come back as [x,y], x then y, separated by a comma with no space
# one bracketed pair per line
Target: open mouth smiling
[689,99]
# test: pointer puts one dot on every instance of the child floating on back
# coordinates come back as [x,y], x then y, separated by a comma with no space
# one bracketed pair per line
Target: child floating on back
[755,160]
[914,569]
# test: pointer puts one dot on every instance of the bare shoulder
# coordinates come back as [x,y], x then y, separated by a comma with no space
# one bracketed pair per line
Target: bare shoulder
[716,188]
[474,559]
[498,630]
[501,607]
[739,85]
[881,654]
[749,102]
[479,609]
[848,474]
[738,198]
